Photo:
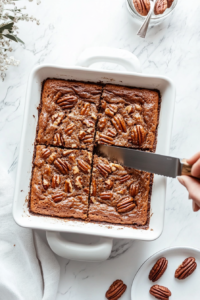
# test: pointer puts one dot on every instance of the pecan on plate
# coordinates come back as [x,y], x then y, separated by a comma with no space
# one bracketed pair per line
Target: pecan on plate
[142,6]
[160,7]
[116,290]
[158,269]
[169,3]
[138,135]
[67,102]
[186,268]
[160,292]
[125,205]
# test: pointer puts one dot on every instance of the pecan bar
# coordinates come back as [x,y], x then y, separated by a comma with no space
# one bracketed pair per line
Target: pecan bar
[118,194]
[69,114]
[60,182]
[128,118]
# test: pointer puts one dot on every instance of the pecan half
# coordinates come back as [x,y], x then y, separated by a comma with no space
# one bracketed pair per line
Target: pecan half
[105,139]
[169,3]
[67,152]
[89,123]
[52,157]
[57,197]
[106,195]
[83,166]
[186,268]
[69,129]
[129,109]
[111,132]
[124,178]
[103,104]
[79,182]
[142,6]
[58,140]
[57,118]
[160,7]
[160,292]
[86,108]
[116,290]
[62,165]
[125,205]
[109,184]
[111,110]
[134,189]
[119,123]
[45,153]
[102,124]
[68,186]
[67,102]
[138,135]
[55,181]
[104,169]
[158,269]
[84,137]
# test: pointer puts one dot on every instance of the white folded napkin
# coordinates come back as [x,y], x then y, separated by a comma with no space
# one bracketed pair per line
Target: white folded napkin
[28,268]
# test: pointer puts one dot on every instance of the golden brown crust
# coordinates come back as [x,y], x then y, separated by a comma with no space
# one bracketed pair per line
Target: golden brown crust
[59,186]
[68,108]
[111,194]
[128,118]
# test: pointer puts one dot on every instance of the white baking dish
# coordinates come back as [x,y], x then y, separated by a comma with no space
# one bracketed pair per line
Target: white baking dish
[107,232]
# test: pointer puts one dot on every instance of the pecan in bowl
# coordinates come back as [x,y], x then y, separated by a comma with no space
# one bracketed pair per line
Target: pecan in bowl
[116,290]
[186,268]
[160,292]
[158,269]
[142,6]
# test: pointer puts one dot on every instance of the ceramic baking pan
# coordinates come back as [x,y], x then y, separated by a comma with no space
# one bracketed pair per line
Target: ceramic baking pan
[131,77]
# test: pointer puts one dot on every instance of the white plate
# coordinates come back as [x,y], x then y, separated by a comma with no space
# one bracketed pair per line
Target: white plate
[181,289]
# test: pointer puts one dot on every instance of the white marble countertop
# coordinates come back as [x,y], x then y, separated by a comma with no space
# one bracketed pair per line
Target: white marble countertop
[172,49]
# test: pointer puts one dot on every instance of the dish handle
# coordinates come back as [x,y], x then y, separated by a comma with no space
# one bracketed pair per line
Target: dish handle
[105,54]
[97,252]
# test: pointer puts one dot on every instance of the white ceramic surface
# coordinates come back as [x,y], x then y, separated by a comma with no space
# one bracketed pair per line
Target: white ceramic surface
[180,289]
[171,49]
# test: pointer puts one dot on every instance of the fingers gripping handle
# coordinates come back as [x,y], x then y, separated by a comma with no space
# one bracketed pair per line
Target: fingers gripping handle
[99,251]
[105,54]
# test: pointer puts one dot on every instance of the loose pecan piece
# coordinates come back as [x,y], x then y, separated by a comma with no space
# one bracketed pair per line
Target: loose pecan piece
[142,6]
[69,129]
[124,178]
[138,135]
[62,165]
[158,269]
[106,195]
[68,186]
[67,102]
[83,166]
[160,292]
[134,189]
[104,169]
[160,7]
[105,139]
[119,123]
[125,205]
[102,124]
[186,268]
[45,153]
[109,184]
[86,108]
[57,197]
[116,290]
[55,181]
[58,140]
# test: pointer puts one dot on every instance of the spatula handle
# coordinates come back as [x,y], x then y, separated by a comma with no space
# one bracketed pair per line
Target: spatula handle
[186,168]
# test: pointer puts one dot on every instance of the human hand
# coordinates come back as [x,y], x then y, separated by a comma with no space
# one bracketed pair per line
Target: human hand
[191,184]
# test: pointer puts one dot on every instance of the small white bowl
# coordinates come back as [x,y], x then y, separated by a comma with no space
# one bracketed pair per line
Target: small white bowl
[155,19]
[180,289]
